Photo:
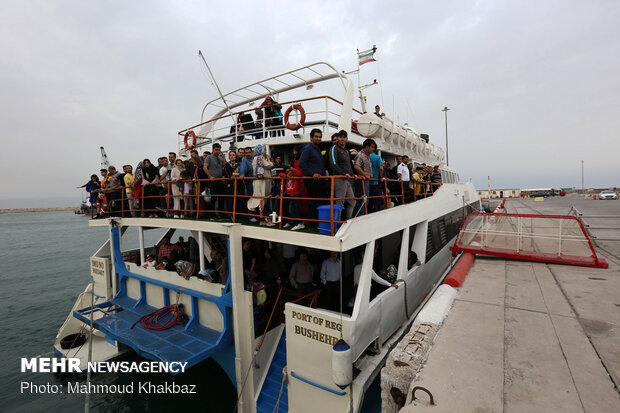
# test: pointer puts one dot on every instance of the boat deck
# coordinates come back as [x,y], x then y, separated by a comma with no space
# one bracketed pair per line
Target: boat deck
[174,344]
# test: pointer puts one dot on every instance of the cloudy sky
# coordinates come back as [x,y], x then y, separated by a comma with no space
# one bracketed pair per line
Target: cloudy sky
[533,86]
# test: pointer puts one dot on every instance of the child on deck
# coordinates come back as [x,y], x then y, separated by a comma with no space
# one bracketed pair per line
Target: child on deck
[292,191]
[150,262]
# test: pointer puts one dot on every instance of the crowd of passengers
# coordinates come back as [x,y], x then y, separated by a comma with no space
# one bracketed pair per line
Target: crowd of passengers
[171,186]
[299,270]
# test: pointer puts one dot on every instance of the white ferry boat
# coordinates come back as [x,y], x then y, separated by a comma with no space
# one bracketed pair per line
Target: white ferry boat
[286,353]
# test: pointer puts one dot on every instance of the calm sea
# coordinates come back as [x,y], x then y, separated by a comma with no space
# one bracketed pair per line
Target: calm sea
[44,266]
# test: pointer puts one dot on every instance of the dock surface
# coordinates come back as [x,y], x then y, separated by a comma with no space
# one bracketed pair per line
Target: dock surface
[532,337]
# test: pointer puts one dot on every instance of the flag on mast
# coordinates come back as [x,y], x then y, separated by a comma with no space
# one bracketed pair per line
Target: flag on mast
[366,56]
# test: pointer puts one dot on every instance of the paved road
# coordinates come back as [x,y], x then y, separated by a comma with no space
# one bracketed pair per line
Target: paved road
[532,337]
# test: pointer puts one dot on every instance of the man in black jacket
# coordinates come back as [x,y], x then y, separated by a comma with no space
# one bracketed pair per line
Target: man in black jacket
[340,164]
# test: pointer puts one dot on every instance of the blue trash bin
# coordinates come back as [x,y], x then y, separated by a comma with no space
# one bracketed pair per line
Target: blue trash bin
[324,215]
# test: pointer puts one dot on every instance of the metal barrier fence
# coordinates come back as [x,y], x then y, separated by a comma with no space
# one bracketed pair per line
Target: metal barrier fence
[558,239]
[589,227]
[227,198]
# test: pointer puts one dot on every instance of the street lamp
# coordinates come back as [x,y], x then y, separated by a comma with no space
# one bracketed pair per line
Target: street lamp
[445,111]
[582,188]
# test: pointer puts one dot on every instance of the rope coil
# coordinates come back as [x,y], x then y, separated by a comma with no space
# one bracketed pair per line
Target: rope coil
[161,319]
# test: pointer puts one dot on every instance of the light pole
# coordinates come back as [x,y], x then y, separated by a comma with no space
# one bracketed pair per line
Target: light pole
[582,188]
[445,111]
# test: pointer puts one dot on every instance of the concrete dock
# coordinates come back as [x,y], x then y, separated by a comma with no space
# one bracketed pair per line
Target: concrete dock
[531,337]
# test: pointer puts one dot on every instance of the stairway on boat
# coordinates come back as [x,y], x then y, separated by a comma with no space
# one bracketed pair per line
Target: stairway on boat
[268,397]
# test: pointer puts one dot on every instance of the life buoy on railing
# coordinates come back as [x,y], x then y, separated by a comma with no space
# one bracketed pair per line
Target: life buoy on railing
[187,135]
[302,119]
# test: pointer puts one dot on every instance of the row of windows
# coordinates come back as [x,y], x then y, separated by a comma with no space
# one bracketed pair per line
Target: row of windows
[448,177]
[443,229]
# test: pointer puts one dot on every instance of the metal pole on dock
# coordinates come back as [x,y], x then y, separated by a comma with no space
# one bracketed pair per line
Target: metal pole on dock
[582,188]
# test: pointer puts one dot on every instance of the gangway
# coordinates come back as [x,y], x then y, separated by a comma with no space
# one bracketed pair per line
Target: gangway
[558,239]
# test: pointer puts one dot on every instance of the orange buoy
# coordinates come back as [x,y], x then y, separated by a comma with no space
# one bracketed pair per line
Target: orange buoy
[302,114]
[187,135]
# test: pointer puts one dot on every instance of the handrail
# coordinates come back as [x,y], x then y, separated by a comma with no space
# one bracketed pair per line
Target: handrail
[182,132]
[338,393]
[113,209]
[270,317]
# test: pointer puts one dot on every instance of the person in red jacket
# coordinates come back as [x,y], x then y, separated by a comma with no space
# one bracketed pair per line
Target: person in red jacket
[292,191]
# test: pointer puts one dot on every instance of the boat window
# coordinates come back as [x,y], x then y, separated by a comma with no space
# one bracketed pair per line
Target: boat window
[385,262]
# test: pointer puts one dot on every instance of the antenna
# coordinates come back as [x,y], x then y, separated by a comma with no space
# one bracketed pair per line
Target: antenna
[217,86]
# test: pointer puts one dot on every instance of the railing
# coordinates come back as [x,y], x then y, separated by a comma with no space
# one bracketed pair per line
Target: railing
[284,296]
[336,392]
[223,198]
[319,114]
[599,227]
[558,239]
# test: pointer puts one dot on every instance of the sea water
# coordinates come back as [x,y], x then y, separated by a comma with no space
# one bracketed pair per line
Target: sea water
[44,266]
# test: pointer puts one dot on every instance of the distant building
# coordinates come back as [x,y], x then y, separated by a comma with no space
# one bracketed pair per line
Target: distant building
[501,193]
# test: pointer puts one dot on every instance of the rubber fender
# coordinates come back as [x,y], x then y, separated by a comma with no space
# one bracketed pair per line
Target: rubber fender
[72,341]
[456,278]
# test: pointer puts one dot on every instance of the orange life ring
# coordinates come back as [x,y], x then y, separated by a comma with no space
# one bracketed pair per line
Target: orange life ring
[302,112]
[187,135]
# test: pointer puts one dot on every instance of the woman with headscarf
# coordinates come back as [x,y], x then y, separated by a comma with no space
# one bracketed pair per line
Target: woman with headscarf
[262,169]
[150,176]
[177,185]
[138,190]
[273,115]
[231,170]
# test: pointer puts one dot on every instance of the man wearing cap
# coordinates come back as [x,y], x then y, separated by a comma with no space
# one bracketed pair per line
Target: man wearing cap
[340,164]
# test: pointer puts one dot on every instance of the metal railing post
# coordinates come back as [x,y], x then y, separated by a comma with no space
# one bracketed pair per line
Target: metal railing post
[142,201]
[385,192]
[365,195]
[560,240]
[331,205]
[519,233]
[326,126]
[168,199]
[197,195]
[281,199]
[234,211]
[402,191]
[264,124]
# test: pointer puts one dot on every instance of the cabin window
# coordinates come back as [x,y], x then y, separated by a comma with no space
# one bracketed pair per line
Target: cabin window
[442,231]
[386,260]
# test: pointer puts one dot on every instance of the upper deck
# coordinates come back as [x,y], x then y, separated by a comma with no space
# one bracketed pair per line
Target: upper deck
[327,101]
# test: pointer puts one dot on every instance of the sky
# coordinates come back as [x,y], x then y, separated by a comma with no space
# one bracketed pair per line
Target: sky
[532,87]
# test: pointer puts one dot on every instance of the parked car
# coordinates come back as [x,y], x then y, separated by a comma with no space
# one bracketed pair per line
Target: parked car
[607,195]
